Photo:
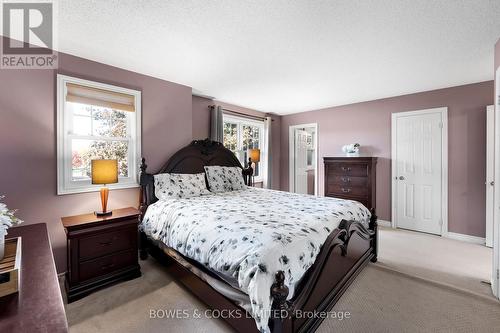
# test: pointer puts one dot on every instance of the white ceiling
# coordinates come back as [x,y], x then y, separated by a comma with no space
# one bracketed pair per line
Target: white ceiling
[287,56]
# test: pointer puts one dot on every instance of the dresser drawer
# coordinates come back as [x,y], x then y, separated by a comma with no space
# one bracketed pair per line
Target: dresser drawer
[348,181]
[107,264]
[355,191]
[107,243]
[348,169]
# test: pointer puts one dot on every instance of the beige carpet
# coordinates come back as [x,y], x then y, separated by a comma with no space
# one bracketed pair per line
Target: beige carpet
[450,262]
[378,301]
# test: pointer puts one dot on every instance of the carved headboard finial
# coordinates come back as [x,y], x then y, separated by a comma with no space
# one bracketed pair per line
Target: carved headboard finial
[207,146]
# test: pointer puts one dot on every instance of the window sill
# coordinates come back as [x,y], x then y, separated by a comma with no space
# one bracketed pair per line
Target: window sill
[95,188]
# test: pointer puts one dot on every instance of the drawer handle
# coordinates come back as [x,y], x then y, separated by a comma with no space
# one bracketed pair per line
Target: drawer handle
[346,168]
[346,179]
[107,266]
[345,190]
[106,243]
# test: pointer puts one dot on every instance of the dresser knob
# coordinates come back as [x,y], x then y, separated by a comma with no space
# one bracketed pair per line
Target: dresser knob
[345,190]
[346,168]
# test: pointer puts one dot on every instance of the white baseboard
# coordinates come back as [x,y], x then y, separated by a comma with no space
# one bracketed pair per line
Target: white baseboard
[465,238]
[384,223]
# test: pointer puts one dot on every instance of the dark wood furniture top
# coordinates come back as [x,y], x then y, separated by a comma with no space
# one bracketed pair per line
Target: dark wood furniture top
[352,178]
[101,250]
[38,307]
[343,255]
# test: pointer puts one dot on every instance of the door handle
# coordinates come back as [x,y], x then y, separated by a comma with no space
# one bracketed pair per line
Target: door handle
[401,178]
[492,183]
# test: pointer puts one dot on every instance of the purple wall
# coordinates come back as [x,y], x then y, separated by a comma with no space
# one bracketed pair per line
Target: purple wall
[28,139]
[369,123]
[201,117]
[201,129]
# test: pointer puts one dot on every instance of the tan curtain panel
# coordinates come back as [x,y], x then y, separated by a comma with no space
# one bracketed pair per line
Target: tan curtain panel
[109,99]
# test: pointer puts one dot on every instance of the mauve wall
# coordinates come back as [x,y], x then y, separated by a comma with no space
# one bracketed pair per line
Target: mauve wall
[28,139]
[369,123]
[201,129]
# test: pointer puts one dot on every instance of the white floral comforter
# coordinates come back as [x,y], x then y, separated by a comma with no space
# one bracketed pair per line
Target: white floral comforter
[251,234]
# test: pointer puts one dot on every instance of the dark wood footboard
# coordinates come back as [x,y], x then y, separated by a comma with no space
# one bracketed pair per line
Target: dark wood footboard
[347,250]
[344,254]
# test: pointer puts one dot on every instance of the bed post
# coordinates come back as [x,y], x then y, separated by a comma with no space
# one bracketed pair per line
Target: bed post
[143,205]
[279,313]
[374,227]
[247,174]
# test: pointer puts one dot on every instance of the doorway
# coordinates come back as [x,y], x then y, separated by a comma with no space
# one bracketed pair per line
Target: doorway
[419,170]
[303,164]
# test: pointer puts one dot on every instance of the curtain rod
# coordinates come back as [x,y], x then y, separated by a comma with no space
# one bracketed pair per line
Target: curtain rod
[244,115]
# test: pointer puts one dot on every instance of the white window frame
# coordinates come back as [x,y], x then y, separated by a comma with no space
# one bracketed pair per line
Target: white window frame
[65,184]
[240,122]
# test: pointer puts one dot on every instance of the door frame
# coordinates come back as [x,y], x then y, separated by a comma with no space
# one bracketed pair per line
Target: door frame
[444,163]
[495,274]
[291,156]
[490,173]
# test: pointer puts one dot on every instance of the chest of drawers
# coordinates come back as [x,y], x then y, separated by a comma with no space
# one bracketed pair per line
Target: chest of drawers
[351,178]
[101,250]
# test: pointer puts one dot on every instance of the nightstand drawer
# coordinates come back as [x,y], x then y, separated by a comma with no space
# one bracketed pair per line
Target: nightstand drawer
[101,266]
[107,243]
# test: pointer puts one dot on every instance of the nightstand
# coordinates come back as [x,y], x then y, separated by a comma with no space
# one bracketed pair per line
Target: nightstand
[101,250]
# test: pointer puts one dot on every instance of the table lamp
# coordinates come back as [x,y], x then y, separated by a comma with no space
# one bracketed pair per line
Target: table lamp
[253,156]
[104,172]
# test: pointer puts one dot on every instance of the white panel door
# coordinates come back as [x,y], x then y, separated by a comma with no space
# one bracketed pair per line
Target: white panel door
[490,173]
[301,161]
[418,173]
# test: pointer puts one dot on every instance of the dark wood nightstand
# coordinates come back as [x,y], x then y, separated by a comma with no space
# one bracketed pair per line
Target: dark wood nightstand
[101,250]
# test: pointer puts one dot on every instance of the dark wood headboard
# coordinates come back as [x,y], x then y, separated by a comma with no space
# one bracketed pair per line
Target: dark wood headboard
[190,159]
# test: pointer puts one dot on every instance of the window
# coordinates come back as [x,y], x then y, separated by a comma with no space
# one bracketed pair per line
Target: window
[241,134]
[96,121]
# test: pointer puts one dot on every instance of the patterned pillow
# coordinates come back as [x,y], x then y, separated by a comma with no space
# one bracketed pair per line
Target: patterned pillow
[223,179]
[177,185]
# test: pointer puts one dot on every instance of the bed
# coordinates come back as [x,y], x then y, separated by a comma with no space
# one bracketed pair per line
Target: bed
[268,258]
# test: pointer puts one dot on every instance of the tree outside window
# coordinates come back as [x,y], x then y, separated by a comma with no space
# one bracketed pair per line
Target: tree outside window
[240,135]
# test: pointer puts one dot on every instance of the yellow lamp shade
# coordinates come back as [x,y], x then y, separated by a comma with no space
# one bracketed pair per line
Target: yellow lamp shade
[104,171]
[254,154]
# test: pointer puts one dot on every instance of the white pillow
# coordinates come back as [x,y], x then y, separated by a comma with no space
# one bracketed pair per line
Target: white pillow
[223,179]
[179,185]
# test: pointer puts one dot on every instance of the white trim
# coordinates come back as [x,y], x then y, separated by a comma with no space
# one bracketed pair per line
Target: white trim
[444,162]
[384,223]
[291,156]
[490,172]
[495,283]
[465,238]
[134,150]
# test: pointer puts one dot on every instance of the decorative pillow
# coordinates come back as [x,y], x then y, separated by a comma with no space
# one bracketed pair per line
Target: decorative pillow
[179,185]
[223,179]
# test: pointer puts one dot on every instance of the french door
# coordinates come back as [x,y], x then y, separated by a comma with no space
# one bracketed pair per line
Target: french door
[418,173]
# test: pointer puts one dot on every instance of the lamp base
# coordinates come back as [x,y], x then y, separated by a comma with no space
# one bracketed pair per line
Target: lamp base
[103,213]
